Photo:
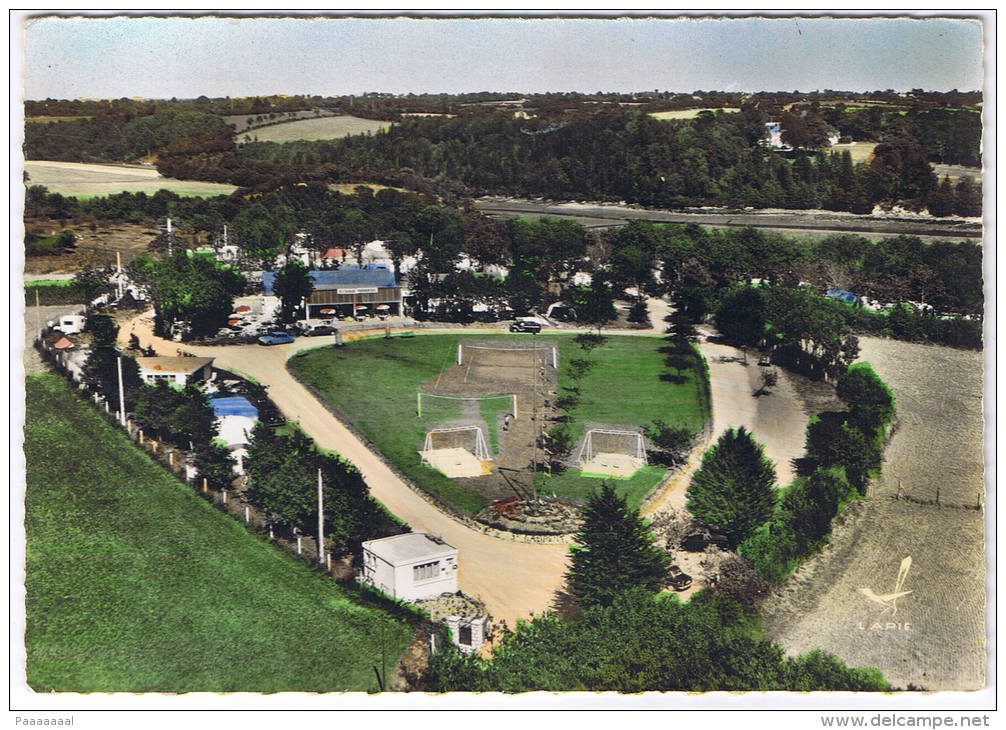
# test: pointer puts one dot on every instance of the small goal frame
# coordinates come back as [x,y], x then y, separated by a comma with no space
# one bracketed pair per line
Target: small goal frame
[457,461]
[622,465]
[481,453]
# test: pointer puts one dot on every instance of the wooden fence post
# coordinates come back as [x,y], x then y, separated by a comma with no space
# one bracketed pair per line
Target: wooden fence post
[246,514]
[204,484]
[298,544]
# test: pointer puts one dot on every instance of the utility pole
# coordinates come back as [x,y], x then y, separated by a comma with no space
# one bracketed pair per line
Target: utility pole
[321,522]
[122,398]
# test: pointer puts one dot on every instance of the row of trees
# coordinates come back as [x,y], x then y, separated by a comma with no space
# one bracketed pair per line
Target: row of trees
[844,450]
[628,639]
[698,261]
[113,138]
[284,473]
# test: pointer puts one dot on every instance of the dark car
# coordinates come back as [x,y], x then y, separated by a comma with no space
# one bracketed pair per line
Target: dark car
[320,329]
[275,338]
[523,325]
[701,540]
[678,579]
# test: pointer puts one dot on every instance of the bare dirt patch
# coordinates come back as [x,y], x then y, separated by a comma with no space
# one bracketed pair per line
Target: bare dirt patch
[95,249]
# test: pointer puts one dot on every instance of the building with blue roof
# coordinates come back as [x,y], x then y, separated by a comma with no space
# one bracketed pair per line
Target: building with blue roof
[234,405]
[349,291]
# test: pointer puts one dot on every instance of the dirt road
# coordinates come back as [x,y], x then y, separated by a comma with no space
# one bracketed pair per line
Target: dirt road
[513,579]
[607,215]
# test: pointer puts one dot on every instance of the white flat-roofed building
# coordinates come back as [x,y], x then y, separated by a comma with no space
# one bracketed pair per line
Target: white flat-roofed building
[176,370]
[410,567]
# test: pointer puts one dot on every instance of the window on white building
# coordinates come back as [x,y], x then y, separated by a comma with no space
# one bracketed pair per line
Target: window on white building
[425,571]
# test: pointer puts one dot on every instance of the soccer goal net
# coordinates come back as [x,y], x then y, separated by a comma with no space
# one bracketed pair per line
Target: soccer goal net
[519,355]
[457,452]
[612,453]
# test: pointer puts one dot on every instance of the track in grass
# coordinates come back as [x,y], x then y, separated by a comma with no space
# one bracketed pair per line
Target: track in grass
[134,583]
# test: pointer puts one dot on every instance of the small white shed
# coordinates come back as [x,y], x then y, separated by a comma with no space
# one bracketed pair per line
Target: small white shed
[176,370]
[410,567]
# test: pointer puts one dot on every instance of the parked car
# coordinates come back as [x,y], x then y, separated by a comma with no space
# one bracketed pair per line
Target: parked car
[525,325]
[320,329]
[678,579]
[275,338]
[701,540]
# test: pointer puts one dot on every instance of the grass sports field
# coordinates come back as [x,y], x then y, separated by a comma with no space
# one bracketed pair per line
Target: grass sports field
[374,383]
[83,180]
[320,128]
[134,583]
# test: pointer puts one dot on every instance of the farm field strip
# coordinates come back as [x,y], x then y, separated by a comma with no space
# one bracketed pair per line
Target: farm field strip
[317,128]
[691,113]
[88,180]
[134,583]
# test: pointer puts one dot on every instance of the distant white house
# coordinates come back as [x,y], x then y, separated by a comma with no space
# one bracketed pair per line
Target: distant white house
[410,567]
[176,370]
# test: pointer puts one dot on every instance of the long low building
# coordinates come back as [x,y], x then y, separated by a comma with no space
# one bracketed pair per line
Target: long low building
[348,292]
[176,370]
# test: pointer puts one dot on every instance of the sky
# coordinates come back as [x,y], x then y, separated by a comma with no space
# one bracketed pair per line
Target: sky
[185,57]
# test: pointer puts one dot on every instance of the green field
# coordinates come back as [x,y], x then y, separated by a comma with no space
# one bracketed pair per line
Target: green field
[134,583]
[691,113]
[314,129]
[374,383]
[81,180]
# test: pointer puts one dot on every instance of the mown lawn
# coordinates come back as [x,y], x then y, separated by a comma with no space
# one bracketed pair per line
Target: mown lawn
[134,583]
[374,383]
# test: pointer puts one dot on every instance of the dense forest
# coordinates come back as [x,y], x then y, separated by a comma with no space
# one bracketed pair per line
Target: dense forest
[715,159]
[124,138]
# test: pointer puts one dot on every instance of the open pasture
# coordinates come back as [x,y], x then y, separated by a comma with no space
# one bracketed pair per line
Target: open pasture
[691,113]
[136,584]
[318,128]
[82,180]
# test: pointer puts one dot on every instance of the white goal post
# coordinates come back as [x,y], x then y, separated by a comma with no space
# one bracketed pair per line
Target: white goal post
[629,443]
[457,452]
[549,353]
